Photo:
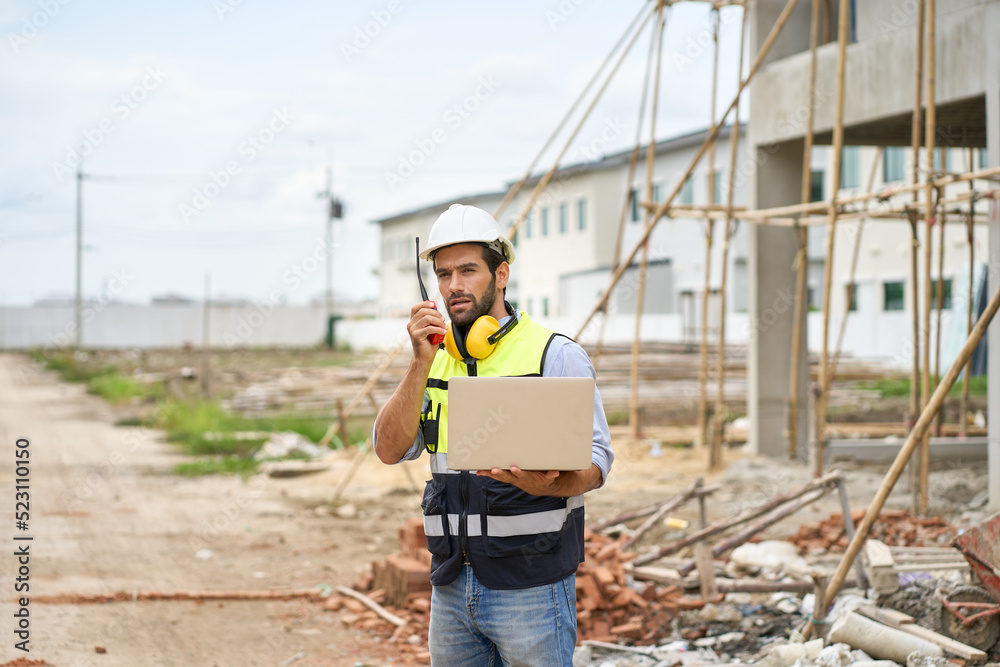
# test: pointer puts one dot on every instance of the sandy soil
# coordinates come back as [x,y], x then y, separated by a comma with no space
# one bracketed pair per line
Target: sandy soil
[106,516]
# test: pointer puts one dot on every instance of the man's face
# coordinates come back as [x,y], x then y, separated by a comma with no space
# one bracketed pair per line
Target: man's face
[465,282]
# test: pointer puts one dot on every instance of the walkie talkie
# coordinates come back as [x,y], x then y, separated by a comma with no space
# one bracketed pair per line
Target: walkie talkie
[435,339]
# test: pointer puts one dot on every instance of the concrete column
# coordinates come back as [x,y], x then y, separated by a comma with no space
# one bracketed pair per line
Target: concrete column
[776,181]
[992,85]
[772,253]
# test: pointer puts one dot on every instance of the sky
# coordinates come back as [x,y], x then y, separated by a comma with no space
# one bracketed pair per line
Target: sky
[205,129]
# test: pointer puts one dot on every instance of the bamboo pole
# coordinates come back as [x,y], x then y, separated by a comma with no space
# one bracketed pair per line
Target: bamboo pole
[838,146]
[792,211]
[661,511]
[718,432]
[640,297]
[662,208]
[742,517]
[915,370]
[770,519]
[939,303]
[851,287]
[802,259]
[633,161]
[512,192]
[709,239]
[930,130]
[915,150]
[963,423]
[906,451]
[544,181]
[365,391]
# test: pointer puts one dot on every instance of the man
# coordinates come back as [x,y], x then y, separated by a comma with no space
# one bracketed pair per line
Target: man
[500,596]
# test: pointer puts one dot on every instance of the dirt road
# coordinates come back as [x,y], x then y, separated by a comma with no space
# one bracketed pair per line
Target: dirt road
[106,516]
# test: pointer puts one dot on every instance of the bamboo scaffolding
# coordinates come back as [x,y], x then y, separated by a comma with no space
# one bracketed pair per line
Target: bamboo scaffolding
[512,192]
[802,259]
[719,424]
[640,298]
[906,451]
[709,239]
[915,245]
[939,304]
[853,272]
[544,181]
[838,146]
[661,209]
[930,129]
[963,422]
[633,161]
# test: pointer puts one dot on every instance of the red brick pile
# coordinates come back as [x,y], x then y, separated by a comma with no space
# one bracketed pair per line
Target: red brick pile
[607,608]
[893,527]
[610,610]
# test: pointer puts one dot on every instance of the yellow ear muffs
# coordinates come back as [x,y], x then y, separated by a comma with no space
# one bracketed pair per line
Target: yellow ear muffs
[477,340]
[450,345]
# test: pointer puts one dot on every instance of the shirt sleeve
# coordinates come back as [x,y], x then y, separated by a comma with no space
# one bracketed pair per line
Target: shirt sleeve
[565,358]
[418,443]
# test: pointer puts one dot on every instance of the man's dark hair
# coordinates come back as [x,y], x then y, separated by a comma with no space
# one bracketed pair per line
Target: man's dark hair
[494,259]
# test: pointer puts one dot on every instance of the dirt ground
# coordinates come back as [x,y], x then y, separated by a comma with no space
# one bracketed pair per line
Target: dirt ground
[106,515]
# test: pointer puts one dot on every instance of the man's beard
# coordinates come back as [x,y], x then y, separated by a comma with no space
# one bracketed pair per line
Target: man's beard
[478,307]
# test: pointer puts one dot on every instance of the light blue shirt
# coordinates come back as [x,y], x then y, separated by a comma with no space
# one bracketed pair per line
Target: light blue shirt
[565,358]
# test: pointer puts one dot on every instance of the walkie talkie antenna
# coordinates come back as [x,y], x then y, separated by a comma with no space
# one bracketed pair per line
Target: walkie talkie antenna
[435,339]
[423,290]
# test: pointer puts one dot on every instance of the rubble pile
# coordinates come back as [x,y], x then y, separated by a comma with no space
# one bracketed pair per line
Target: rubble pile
[893,527]
[611,609]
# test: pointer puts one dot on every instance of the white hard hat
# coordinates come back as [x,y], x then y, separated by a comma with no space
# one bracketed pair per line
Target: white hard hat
[467,224]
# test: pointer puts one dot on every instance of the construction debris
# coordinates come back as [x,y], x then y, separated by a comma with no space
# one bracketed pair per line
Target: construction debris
[892,527]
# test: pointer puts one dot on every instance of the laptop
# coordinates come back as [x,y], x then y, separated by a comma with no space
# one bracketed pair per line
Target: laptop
[534,423]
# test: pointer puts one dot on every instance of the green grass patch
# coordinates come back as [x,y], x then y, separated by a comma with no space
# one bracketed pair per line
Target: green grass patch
[228,465]
[617,418]
[204,428]
[119,388]
[896,387]
[68,366]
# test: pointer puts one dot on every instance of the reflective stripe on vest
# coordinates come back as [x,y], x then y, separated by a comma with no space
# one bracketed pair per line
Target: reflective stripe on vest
[439,465]
[535,523]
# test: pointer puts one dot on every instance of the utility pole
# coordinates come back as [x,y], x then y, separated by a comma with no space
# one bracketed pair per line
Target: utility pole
[335,211]
[78,304]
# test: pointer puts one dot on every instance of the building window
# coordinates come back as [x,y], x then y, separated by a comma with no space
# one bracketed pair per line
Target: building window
[545,221]
[563,218]
[892,295]
[658,194]
[530,308]
[816,185]
[545,307]
[946,301]
[941,159]
[527,225]
[852,297]
[983,159]
[850,167]
[581,214]
[687,192]
[635,205]
[893,164]
[402,249]
[717,187]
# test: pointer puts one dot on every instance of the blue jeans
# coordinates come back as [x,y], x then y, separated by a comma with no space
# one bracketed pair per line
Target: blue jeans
[473,626]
